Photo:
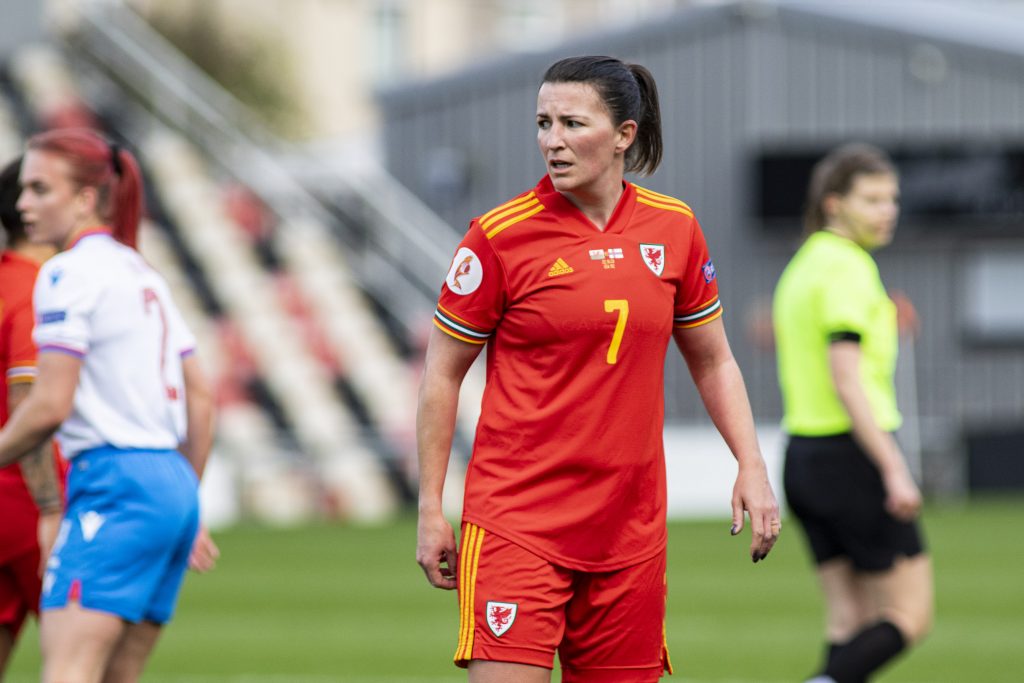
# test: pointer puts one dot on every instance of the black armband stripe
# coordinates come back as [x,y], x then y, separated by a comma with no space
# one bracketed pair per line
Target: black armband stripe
[843,336]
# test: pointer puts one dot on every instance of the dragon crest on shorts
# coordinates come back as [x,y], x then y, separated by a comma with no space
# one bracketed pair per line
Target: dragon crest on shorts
[501,616]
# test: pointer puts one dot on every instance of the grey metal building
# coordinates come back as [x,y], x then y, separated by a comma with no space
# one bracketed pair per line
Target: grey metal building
[748,84]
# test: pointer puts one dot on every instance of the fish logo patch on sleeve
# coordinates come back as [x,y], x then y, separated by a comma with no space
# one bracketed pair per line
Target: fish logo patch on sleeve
[466,272]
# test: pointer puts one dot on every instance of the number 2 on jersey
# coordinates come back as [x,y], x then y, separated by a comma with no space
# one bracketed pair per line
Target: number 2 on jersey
[149,297]
[622,307]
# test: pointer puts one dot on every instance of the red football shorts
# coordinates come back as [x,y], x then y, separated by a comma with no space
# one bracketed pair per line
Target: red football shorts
[19,589]
[608,627]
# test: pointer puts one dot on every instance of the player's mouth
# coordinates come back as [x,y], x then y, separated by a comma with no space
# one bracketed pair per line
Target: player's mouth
[558,165]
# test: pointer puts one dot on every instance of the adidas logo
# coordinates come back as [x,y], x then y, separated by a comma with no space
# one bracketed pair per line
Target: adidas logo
[559,267]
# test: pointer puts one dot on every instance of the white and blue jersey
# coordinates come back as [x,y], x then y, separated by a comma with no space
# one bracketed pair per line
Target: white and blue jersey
[101,302]
[133,510]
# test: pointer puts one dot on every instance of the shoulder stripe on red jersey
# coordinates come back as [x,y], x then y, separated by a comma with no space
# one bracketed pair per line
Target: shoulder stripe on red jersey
[509,214]
[659,197]
[515,219]
[493,214]
[472,542]
[458,328]
[661,201]
[679,208]
[704,314]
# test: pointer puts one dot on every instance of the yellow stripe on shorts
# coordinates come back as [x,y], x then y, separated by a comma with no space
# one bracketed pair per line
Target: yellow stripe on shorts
[472,541]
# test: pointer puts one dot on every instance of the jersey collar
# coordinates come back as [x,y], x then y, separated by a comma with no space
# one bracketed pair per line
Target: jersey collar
[90,232]
[553,199]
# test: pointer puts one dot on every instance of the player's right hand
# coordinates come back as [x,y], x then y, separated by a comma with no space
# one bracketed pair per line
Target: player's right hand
[435,550]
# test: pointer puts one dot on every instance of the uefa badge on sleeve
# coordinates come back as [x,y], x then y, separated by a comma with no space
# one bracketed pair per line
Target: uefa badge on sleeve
[501,616]
[654,257]
[709,271]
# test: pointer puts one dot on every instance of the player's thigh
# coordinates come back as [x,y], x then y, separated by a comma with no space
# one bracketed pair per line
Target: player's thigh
[615,625]
[481,671]
[19,590]
[511,602]
[77,643]
[131,652]
[904,594]
[848,605]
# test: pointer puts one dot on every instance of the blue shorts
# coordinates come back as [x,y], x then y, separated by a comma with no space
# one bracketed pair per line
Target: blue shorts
[124,544]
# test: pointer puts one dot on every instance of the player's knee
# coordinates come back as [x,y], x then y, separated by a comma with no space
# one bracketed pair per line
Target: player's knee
[914,622]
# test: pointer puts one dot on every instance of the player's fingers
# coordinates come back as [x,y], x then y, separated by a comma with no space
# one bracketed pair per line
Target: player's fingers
[765,531]
[737,517]
[757,532]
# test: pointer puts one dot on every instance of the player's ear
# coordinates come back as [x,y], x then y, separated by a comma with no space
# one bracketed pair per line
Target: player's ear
[625,135]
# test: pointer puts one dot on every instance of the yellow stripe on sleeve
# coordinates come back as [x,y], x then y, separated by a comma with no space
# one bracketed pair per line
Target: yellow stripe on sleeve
[703,321]
[452,333]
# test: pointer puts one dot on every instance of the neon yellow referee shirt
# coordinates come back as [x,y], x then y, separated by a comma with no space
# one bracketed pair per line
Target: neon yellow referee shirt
[832,287]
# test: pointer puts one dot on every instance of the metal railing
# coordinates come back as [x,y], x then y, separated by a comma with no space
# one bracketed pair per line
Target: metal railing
[399,249]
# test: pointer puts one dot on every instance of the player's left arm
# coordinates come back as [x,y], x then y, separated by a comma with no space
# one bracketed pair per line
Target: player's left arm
[199,412]
[47,404]
[720,384]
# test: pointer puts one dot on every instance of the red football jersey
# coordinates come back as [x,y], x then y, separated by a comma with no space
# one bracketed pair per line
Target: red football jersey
[568,459]
[17,364]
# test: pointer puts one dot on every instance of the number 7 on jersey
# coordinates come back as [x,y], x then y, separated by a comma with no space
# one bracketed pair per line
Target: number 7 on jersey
[622,307]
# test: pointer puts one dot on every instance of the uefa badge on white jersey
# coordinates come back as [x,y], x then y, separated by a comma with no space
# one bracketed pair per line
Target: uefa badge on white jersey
[466,272]
[501,616]
[654,257]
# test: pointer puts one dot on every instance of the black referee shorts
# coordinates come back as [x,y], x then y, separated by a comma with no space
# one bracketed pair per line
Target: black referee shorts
[836,492]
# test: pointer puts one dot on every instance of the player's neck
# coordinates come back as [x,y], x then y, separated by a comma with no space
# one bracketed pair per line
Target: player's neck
[33,252]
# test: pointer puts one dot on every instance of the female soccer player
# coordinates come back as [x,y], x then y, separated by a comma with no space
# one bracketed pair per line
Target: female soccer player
[30,496]
[845,477]
[117,375]
[576,287]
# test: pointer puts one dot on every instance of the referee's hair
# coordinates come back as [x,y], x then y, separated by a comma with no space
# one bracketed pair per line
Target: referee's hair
[835,173]
[112,170]
[630,93]
[9,193]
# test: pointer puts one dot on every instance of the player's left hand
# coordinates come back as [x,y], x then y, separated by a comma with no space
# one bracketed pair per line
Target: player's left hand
[753,494]
[204,552]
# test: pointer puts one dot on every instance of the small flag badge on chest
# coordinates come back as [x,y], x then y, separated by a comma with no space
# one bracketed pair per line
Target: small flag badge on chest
[654,257]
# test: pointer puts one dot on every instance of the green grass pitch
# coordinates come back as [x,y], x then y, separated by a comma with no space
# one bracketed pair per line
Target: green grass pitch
[339,603]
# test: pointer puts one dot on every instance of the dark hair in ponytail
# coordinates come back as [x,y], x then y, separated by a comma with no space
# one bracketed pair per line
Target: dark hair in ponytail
[111,169]
[630,93]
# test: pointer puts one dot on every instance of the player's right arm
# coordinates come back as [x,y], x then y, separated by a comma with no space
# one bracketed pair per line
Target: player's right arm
[447,361]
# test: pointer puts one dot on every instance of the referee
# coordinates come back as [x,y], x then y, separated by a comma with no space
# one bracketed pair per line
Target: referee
[845,477]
